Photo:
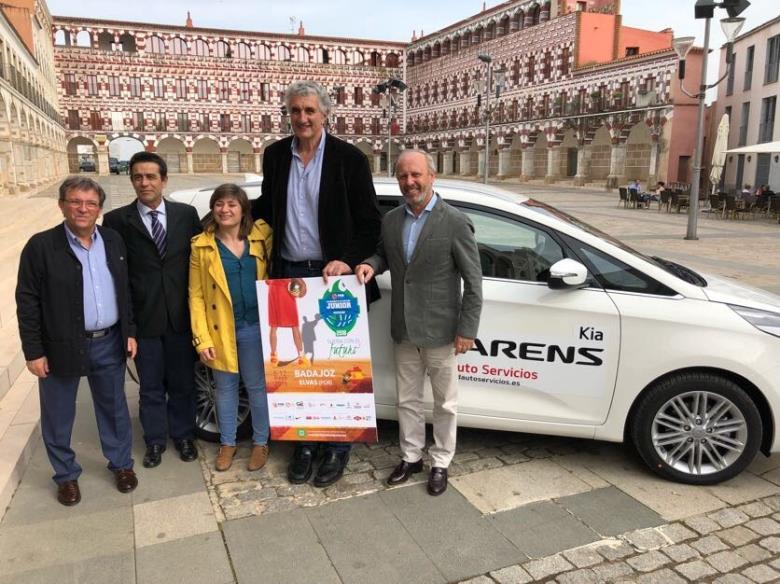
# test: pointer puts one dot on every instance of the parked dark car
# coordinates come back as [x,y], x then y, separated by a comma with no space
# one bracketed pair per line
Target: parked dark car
[124,167]
[113,166]
[87,166]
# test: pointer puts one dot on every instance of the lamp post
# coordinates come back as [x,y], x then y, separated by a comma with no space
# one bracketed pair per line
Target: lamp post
[389,91]
[705,9]
[488,61]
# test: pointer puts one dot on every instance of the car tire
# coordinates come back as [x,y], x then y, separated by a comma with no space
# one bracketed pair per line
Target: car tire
[206,423]
[699,429]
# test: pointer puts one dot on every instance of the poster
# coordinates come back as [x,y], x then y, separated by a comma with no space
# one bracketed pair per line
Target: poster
[317,359]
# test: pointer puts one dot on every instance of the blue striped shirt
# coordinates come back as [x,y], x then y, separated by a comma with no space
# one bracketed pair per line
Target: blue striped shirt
[413,226]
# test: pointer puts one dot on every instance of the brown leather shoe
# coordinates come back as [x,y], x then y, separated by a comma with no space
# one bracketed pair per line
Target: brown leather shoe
[225,457]
[126,481]
[68,493]
[403,471]
[437,481]
[258,457]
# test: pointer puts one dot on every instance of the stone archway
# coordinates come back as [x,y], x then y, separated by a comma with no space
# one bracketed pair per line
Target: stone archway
[569,149]
[206,156]
[540,156]
[174,153]
[638,147]
[601,154]
[122,149]
[82,154]
[240,157]
[7,177]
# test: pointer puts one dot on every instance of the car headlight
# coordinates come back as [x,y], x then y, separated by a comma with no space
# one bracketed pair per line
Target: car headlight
[769,322]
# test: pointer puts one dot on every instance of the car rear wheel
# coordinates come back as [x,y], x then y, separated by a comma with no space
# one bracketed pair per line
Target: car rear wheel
[206,423]
[699,429]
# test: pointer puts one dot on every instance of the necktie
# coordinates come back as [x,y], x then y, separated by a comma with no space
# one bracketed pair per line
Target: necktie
[158,234]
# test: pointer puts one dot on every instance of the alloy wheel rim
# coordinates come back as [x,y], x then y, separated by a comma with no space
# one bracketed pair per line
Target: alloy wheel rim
[205,402]
[699,433]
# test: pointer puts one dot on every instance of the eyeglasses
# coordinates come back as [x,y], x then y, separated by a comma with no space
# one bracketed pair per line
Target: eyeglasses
[91,205]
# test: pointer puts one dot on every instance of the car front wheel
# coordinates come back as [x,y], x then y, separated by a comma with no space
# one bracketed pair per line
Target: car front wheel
[699,429]
[206,422]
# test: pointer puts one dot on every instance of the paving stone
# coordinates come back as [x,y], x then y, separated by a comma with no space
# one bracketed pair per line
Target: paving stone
[764,526]
[729,517]
[548,566]
[665,576]
[511,575]
[726,561]
[680,552]
[646,539]
[738,535]
[581,576]
[677,532]
[482,464]
[609,511]
[702,524]
[753,553]
[478,580]
[773,502]
[771,543]
[612,572]
[775,564]
[513,458]
[615,551]
[761,574]
[648,562]
[583,557]
[696,570]
[757,509]
[709,545]
[201,559]
[732,579]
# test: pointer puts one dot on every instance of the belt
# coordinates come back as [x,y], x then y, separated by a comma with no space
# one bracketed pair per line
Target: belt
[100,333]
[311,264]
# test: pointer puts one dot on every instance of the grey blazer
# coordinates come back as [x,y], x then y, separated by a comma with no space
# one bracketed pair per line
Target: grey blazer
[427,307]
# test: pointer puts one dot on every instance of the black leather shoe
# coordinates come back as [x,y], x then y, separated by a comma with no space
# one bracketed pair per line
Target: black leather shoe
[187,450]
[403,471]
[126,480]
[437,482]
[68,493]
[300,467]
[153,456]
[332,468]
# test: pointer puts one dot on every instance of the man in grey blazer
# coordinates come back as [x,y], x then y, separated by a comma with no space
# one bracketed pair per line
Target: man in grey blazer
[429,247]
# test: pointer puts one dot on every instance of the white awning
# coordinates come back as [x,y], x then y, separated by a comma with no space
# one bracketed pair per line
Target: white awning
[765,148]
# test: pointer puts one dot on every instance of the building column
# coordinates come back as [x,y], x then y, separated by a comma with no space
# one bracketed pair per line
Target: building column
[7,160]
[465,162]
[481,162]
[190,162]
[527,163]
[377,163]
[652,170]
[258,163]
[617,164]
[504,162]
[223,155]
[583,165]
[447,161]
[102,160]
[553,164]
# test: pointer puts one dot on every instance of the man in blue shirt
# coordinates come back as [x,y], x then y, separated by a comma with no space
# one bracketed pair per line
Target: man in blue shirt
[75,320]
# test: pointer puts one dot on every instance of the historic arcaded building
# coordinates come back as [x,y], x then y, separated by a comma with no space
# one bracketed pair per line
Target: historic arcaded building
[32,139]
[582,98]
[210,100]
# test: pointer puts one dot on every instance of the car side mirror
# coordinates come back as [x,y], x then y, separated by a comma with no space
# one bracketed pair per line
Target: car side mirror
[567,273]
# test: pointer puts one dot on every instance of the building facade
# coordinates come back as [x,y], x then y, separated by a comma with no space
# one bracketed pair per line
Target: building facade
[750,95]
[210,100]
[583,98]
[32,138]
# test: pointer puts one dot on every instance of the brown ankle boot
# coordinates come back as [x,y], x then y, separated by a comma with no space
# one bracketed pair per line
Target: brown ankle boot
[258,457]
[225,457]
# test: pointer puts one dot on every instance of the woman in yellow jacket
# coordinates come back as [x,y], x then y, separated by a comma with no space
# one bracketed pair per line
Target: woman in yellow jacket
[227,259]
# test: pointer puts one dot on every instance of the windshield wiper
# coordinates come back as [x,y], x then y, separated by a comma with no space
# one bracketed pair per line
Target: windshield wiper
[682,272]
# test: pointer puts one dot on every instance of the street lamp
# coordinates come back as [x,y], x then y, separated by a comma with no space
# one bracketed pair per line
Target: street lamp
[488,61]
[389,91]
[731,26]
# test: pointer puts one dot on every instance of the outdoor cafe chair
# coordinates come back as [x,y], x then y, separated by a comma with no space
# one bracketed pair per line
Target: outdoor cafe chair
[633,198]
[665,200]
[623,193]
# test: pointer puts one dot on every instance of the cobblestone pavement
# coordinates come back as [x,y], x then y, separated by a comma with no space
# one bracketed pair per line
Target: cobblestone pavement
[730,546]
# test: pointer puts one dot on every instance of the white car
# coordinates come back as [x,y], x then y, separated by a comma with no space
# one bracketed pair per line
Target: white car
[582,336]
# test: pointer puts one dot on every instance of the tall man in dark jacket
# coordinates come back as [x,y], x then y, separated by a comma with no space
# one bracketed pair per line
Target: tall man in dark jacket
[157,233]
[318,195]
[75,320]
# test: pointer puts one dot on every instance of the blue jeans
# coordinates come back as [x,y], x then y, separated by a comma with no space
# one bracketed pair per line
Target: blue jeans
[250,370]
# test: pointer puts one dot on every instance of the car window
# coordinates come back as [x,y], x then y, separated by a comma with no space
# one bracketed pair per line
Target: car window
[387,204]
[511,249]
[614,274]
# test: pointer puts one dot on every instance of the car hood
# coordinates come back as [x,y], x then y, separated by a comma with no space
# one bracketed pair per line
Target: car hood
[731,292]
[185,195]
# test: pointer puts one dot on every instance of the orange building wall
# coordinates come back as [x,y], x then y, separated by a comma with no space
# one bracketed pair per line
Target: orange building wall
[596,38]
[605,6]
[19,14]
[647,41]
[682,140]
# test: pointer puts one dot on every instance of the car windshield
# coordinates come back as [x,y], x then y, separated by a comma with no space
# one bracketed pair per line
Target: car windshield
[673,268]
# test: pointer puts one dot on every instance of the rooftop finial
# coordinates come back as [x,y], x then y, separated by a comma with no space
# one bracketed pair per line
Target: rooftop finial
[301,30]
[188,24]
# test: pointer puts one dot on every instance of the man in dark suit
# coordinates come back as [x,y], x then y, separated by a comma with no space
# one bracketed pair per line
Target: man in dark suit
[75,320]
[318,196]
[157,234]
[429,247]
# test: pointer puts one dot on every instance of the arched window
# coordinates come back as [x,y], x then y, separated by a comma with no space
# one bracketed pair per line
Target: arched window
[60,39]
[283,53]
[223,49]
[302,55]
[339,57]
[263,53]
[105,41]
[200,48]
[127,41]
[156,45]
[392,60]
[243,51]
[178,46]
[83,39]
[357,58]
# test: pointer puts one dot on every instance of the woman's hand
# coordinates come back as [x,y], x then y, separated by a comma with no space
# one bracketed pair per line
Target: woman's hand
[207,355]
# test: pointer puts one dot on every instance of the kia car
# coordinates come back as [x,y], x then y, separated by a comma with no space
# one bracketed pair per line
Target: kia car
[582,336]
